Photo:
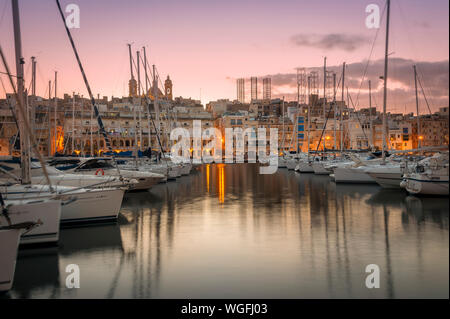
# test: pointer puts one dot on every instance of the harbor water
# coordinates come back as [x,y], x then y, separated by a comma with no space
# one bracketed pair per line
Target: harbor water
[226,231]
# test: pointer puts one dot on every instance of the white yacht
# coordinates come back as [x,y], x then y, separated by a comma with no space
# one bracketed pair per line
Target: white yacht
[304,166]
[282,162]
[387,176]
[186,169]
[104,167]
[292,163]
[9,244]
[46,213]
[319,167]
[62,178]
[429,176]
[81,205]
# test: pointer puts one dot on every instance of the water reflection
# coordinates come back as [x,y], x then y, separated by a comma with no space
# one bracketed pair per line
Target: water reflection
[228,232]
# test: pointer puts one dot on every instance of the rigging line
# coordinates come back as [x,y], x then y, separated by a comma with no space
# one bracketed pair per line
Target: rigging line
[13,114]
[368,60]
[23,113]
[159,78]
[12,75]
[332,106]
[147,79]
[425,97]
[147,101]
[323,131]
[423,91]
[150,115]
[359,120]
[10,106]
[97,113]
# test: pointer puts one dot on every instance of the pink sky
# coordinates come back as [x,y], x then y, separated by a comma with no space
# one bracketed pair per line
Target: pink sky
[205,45]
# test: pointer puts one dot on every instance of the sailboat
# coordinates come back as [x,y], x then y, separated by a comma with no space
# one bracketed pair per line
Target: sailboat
[10,237]
[46,212]
[9,244]
[105,167]
[80,204]
[356,173]
[389,175]
[429,177]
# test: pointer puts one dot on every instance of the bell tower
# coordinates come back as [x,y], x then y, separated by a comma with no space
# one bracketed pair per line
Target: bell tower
[168,88]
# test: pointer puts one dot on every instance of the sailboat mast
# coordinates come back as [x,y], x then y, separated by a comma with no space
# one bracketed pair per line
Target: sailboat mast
[334,108]
[91,131]
[417,108]
[145,70]
[155,96]
[295,126]
[386,60]
[131,62]
[370,114]
[24,137]
[33,93]
[138,57]
[309,114]
[146,94]
[341,124]
[73,123]
[49,120]
[55,113]
[324,86]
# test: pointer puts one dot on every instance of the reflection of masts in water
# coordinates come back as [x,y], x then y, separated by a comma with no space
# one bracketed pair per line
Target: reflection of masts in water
[115,280]
[337,246]
[390,279]
[347,259]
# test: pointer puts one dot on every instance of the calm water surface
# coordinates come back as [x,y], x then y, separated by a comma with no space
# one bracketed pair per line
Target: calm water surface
[228,232]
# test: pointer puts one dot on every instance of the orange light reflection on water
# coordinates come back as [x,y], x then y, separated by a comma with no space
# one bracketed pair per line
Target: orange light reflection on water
[207,177]
[221,183]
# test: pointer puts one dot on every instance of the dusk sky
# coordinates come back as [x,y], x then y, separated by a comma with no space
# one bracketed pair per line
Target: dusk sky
[204,45]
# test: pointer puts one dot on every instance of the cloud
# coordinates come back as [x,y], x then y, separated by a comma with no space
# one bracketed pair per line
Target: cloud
[346,42]
[434,77]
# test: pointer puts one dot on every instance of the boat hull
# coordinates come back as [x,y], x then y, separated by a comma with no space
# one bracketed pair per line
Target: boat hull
[186,169]
[85,206]
[304,168]
[93,206]
[9,244]
[291,164]
[421,184]
[387,180]
[282,163]
[48,213]
[352,176]
[319,169]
